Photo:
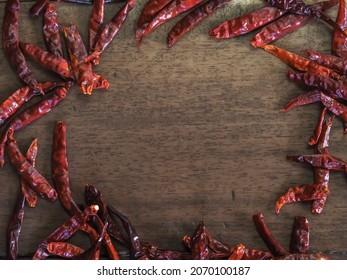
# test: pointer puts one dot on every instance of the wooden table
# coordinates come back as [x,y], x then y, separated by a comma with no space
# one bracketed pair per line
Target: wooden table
[184,134]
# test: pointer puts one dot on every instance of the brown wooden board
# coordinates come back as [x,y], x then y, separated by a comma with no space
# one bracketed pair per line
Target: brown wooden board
[184,134]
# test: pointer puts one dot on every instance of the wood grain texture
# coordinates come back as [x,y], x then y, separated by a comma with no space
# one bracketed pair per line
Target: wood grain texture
[182,135]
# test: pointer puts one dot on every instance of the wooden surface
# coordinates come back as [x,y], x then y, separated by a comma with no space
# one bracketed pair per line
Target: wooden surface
[187,134]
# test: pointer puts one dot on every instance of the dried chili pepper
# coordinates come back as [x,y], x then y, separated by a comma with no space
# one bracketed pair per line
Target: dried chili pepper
[65,231]
[149,11]
[318,130]
[60,172]
[152,252]
[298,257]
[287,24]
[37,8]
[300,63]
[300,237]
[48,60]
[199,243]
[298,7]
[14,228]
[10,40]
[28,173]
[335,88]
[15,101]
[335,107]
[77,52]
[51,33]
[246,23]
[339,42]
[303,99]
[25,195]
[170,11]
[95,22]
[30,196]
[272,244]
[31,114]
[63,249]
[109,31]
[193,18]
[252,254]
[306,192]
[238,252]
[338,64]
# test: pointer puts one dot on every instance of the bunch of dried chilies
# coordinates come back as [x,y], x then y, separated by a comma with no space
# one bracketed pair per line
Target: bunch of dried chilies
[106,226]
[103,224]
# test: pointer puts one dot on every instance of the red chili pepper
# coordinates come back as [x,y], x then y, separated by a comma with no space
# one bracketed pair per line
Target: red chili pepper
[170,11]
[10,40]
[298,257]
[298,7]
[193,18]
[300,193]
[51,33]
[338,64]
[95,22]
[63,249]
[48,60]
[77,52]
[300,63]
[238,252]
[318,130]
[299,241]
[15,101]
[152,252]
[335,107]
[251,254]
[60,170]
[149,11]
[16,221]
[29,194]
[246,23]
[287,24]
[37,8]
[31,114]
[109,31]
[28,173]
[339,42]
[199,243]
[272,244]
[303,99]
[65,231]
[335,89]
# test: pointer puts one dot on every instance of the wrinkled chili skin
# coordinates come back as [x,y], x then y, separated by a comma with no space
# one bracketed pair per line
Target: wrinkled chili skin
[338,109]
[338,64]
[77,52]
[152,252]
[300,63]
[313,256]
[300,237]
[48,60]
[303,99]
[246,23]
[95,22]
[31,114]
[10,40]
[318,130]
[149,11]
[199,243]
[287,24]
[65,231]
[14,228]
[60,169]
[170,11]
[306,192]
[30,196]
[335,89]
[16,221]
[238,253]
[272,244]
[339,42]
[110,30]
[16,100]
[51,32]
[28,173]
[193,18]
[63,249]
